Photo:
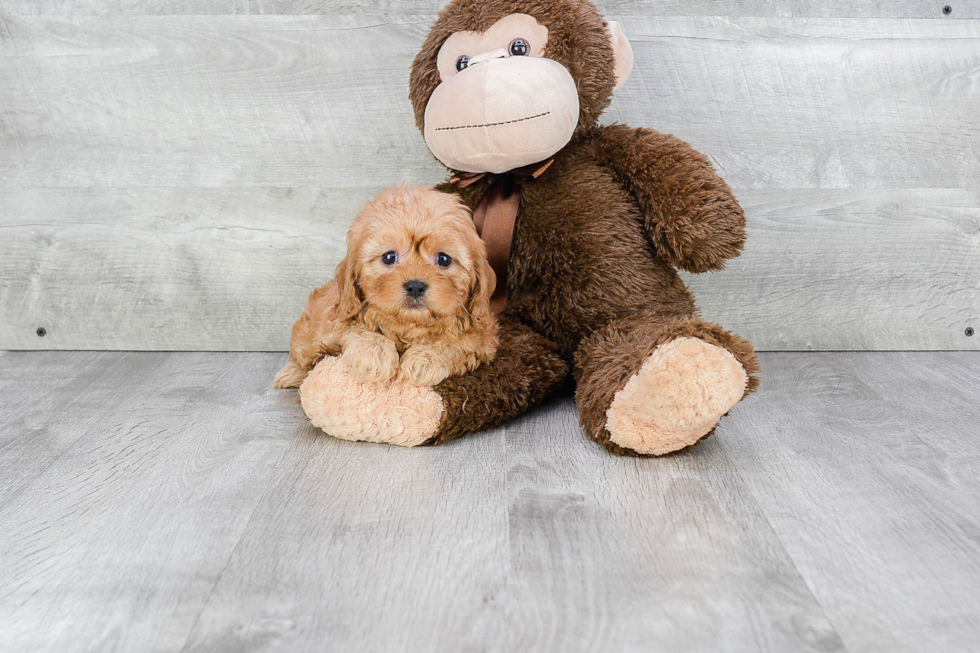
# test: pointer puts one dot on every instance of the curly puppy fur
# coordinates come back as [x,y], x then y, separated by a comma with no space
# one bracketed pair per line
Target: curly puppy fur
[592,282]
[372,314]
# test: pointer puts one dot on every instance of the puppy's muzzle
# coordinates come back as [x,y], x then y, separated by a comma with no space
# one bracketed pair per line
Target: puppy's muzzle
[415,288]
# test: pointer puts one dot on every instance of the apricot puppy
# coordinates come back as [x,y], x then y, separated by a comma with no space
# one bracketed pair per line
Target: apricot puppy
[410,299]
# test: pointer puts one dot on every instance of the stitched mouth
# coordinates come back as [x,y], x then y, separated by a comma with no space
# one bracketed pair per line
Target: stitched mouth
[493,124]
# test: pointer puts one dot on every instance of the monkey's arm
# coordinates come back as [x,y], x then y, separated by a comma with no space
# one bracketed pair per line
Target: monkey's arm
[690,213]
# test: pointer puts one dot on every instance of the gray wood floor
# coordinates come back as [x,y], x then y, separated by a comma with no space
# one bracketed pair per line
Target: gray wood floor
[174,502]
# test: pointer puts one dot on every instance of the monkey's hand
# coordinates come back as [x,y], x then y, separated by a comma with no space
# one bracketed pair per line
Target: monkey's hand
[690,213]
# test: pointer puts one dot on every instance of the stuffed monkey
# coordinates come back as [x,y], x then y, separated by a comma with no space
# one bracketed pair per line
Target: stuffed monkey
[587,224]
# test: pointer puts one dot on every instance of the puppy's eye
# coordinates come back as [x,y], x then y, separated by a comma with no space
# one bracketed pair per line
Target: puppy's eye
[389,258]
[444,260]
[462,63]
[520,48]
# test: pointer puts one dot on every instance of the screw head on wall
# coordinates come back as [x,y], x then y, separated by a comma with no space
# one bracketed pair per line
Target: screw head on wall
[969,331]
[947,10]
[41,332]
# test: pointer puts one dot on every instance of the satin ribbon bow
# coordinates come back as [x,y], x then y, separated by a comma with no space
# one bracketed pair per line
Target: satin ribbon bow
[495,216]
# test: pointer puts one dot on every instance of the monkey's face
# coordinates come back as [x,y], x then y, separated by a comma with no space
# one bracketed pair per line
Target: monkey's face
[495,88]
[501,103]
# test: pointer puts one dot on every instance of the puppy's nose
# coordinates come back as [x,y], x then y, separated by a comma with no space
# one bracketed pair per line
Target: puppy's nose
[416,288]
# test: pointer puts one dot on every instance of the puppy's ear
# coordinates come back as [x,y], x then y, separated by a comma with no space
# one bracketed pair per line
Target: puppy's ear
[482,285]
[350,292]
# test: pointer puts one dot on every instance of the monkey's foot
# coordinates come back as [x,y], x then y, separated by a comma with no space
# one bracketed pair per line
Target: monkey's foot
[392,412]
[676,398]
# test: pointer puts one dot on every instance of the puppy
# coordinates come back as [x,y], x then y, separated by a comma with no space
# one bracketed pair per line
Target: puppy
[410,300]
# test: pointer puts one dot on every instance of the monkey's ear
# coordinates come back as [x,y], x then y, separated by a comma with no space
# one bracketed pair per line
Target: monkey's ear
[623,52]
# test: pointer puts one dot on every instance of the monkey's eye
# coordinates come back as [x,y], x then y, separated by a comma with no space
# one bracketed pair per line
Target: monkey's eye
[519,48]
[389,258]
[444,260]
[462,63]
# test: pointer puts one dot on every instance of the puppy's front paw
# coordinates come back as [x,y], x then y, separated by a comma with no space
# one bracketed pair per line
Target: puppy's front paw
[371,360]
[424,365]
[290,376]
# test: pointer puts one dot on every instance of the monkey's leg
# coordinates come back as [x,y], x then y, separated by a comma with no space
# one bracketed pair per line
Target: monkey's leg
[526,369]
[650,385]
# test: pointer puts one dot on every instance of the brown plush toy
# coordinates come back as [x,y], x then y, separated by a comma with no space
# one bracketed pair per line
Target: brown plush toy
[585,226]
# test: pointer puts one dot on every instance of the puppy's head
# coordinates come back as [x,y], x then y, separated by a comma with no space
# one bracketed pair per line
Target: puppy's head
[413,254]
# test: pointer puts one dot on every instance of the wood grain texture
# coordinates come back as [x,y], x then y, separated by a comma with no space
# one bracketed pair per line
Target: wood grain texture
[295,100]
[865,270]
[173,502]
[368,548]
[817,103]
[182,181]
[210,101]
[665,554]
[166,268]
[867,467]
[47,406]
[533,540]
[135,477]
[230,269]
[781,8]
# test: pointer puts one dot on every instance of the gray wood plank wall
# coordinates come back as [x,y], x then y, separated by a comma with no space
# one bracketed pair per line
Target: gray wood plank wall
[177,174]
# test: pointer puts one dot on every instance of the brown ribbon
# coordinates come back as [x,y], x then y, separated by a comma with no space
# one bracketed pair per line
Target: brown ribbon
[495,216]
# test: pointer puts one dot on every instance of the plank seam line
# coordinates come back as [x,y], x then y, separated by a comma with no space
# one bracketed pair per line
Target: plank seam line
[789,556]
[231,556]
